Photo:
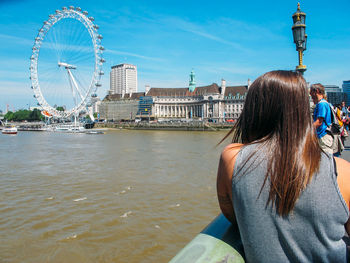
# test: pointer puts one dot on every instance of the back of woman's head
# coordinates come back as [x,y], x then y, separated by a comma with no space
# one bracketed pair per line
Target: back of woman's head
[276,114]
[277,104]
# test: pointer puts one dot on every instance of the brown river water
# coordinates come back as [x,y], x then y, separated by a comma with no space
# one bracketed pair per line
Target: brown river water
[124,196]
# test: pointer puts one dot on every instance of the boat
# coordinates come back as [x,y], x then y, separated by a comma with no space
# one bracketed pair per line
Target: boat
[69,128]
[9,130]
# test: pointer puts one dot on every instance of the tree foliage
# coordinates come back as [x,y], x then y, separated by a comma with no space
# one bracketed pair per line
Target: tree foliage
[24,115]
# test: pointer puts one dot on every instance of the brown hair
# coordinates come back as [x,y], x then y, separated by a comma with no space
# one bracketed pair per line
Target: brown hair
[319,88]
[276,113]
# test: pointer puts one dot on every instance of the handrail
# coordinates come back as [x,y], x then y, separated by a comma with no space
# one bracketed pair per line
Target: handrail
[220,241]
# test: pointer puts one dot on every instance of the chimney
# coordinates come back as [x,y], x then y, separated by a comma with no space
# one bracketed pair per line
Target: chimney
[147,88]
[223,86]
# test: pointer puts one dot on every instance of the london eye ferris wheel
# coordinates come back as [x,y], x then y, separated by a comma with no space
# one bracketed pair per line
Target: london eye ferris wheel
[66,62]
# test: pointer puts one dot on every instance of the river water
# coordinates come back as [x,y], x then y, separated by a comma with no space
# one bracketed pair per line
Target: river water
[124,196]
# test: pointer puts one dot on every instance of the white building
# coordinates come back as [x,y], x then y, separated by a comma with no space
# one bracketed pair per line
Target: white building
[211,102]
[123,79]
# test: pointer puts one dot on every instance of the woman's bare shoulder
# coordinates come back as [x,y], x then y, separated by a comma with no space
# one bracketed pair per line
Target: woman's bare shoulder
[343,178]
[343,166]
[229,153]
[231,150]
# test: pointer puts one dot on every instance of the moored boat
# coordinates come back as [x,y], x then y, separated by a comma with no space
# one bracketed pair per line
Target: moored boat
[9,130]
[68,128]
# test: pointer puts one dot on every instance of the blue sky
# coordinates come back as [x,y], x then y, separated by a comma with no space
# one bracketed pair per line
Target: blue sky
[233,40]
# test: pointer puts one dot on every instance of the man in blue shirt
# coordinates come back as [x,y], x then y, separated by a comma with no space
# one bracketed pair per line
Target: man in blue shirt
[322,117]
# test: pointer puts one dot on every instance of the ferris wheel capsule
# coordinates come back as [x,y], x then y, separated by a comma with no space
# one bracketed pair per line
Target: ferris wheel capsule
[99,36]
[78,9]
[71,7]
[91,18]
[85,13]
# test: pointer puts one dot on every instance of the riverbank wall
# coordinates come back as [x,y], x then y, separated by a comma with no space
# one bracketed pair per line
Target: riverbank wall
[166,126]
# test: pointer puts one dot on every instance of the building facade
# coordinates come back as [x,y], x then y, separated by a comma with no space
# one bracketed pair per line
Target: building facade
[123,79]
[346,90]
[334,94]
[117,107]
[211,103]
[206,103]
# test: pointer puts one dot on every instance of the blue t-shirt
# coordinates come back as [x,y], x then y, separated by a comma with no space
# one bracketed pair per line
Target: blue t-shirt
[323,110]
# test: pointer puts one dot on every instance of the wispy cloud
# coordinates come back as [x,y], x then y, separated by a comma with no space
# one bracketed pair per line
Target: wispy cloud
[198,30]
[15,88]
[123,53]
[242,30]
[16,39]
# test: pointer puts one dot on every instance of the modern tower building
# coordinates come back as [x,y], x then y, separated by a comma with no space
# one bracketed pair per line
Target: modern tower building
[346,90]
[334,94]
[123,79]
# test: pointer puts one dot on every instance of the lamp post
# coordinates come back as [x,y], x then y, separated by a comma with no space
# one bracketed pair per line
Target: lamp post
[299,36]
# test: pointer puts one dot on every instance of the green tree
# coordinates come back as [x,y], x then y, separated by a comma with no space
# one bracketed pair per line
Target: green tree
[9,116]
[35,115]
[60,108]
[21,115]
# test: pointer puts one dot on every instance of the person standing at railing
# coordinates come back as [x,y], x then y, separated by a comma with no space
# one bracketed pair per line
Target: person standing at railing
[289,198]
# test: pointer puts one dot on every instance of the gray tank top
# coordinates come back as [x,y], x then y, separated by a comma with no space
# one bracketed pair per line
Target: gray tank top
[312,232]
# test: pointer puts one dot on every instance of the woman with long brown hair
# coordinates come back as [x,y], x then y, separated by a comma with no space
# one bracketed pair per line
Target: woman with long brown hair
[289,198]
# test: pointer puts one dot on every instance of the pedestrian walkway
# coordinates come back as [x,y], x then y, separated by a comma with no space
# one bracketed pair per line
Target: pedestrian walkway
[346,153]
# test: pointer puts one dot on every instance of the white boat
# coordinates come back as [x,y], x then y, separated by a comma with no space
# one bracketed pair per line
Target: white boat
[69,128]
[9,130]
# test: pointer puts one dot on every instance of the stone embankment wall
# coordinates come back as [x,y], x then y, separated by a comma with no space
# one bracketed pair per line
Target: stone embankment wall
[167,126]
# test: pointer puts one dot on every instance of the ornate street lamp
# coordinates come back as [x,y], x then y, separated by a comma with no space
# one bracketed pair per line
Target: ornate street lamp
[299,36]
